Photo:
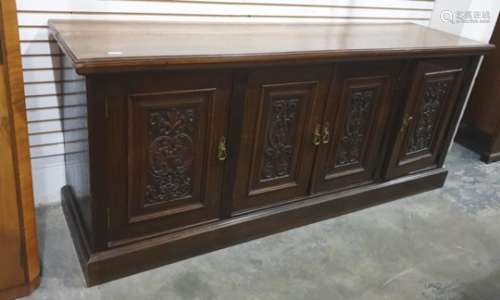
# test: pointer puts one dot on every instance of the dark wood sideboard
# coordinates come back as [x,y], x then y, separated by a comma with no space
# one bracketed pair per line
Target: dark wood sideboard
[201,136]
[480,129]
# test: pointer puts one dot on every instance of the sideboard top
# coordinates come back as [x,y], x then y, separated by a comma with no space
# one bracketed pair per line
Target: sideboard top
[103,46]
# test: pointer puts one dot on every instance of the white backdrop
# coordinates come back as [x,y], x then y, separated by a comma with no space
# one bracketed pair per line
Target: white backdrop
[42,71]
[477,31]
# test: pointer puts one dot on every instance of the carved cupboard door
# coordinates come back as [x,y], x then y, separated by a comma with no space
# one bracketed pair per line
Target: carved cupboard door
[276,152]
[354,124]
[431,101]
[174,126]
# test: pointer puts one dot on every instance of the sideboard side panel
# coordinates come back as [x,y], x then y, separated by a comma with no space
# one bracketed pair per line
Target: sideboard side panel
[76,147]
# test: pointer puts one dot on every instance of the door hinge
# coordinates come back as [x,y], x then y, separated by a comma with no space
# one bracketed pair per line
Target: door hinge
[106,107]
[108,218]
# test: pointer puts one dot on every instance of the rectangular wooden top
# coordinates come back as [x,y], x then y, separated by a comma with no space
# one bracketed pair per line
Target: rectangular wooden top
[103,46]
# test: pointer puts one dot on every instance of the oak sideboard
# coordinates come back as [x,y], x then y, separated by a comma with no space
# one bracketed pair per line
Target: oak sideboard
[201,136]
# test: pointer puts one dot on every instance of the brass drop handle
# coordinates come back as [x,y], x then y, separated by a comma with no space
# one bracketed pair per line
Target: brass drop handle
[326,133]
[317,135]
[222,149]
[406,121]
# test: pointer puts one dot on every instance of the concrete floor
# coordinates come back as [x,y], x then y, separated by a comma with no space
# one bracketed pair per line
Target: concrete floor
[441,245]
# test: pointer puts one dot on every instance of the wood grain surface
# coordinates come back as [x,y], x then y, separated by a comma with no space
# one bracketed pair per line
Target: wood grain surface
[95,46]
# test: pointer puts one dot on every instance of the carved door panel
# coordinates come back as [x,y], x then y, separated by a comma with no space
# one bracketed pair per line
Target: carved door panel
[175,125]
[281,108]
[431,101]
[354,124]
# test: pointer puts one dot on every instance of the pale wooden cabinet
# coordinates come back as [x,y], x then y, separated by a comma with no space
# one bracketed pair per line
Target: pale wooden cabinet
[19,259]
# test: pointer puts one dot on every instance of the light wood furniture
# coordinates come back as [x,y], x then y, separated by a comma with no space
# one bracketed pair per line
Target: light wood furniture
[480,130]
[206,135]
[19,264]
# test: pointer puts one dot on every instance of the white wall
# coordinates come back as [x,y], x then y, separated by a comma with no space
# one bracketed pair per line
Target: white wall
[476,31]
[42,71]
[482,31]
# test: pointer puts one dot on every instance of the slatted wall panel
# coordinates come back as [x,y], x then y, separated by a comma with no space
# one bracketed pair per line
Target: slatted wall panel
[43,68]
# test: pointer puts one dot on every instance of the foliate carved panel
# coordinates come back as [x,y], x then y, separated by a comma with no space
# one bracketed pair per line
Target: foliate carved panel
[350,146]
[422,135]
[169,176]
[279,144]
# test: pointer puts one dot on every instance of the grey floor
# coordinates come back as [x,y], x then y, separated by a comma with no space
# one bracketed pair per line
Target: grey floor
[443,245]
